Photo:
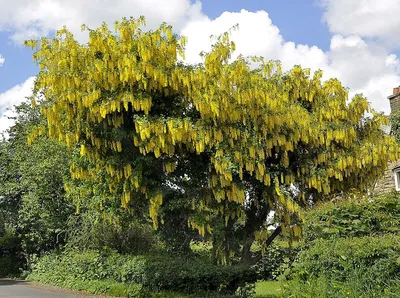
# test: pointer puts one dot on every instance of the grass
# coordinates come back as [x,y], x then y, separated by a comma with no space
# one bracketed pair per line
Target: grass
[268,289]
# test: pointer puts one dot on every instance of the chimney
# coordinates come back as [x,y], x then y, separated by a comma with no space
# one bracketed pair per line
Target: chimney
[394,99]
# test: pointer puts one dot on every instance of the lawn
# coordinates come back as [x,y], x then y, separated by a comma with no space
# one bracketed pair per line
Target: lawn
[268,289]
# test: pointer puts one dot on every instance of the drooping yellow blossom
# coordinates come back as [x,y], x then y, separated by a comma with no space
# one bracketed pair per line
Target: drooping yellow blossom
[284,129]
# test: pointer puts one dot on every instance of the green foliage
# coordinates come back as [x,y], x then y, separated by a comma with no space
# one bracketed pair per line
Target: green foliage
[268,289]
[11,259]
[340,256]
[372,216]
[122,232]
[108,287]
[156,273]
[269,267]
[213,147]
[10,193]
[395,125]
[45,210]
[201,248]
[355,287]
[194,275]
[350,249]
[32,195]
[369,263]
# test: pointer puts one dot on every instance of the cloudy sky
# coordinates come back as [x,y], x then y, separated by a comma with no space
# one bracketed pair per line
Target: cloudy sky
[355,41]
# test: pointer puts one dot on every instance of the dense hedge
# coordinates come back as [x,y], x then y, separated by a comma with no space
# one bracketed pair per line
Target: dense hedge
[154,273]
[367,217]
[350,249]
[363,267]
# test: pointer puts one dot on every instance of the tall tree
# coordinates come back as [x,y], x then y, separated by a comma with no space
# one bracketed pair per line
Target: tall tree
[234,138]
[32,182]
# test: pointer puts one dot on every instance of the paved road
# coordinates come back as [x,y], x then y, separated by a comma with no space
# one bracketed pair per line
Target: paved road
[23,289]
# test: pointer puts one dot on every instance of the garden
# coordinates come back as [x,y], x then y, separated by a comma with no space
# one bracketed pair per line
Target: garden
[132,174]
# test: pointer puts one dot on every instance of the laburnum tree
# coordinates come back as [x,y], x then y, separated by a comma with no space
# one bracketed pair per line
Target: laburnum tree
[215,146]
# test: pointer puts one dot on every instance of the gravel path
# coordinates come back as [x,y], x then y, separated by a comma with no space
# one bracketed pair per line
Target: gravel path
[25,289]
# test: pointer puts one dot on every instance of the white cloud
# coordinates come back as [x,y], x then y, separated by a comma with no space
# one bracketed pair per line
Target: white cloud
[357,62]
[367,18]
[256,34]
[35,18]
[377,89]
[364,67]
[10,98]
[2,59]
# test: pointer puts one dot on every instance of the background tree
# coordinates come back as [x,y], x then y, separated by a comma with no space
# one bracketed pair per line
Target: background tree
[32,185]
[252,138]
[10,196]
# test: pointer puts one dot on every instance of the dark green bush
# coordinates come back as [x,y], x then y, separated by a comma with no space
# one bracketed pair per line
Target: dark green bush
[269,266]
[374,216]
[156,273]
[125,235]
[11,259]
[338,257]
[349,249]
[370,265]
[194,275]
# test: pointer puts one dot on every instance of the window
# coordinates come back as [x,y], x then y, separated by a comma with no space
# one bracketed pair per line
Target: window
[396,173]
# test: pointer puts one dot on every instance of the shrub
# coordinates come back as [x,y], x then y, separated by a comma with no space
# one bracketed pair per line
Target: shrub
[11,259]
[337,267]
[194,275]
[349,249]
[374,216]
[125,235]
[270,265]
[156,273]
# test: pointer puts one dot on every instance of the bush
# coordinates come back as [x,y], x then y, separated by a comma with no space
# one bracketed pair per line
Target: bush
[11,259]
[108,287]
[269,267]
[125,235]
[156,273]
[194,275]
[349,249]
[368,265]
[375,216]
[355,287]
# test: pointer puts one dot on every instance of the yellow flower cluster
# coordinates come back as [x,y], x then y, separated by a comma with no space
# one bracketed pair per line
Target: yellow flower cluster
[287,129]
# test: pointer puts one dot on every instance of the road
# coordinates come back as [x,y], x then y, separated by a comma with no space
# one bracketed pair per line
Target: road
[24,289]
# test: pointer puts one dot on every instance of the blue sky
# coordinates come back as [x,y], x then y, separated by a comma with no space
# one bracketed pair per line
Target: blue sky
[355,41]
[18,65]
[298,21]
[285,14]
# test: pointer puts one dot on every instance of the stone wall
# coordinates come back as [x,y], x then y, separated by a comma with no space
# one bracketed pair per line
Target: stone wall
[395,103]
[386,183]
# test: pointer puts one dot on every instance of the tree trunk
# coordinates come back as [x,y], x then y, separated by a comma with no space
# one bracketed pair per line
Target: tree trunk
[269,241]
[246,257]
[255,218]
